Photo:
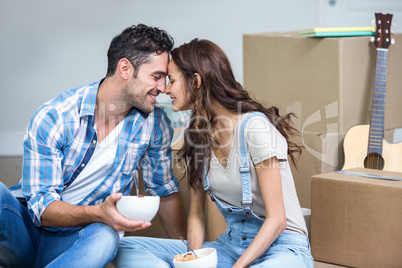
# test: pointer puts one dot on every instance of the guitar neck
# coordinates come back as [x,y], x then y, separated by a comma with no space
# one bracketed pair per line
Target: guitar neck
[376,134]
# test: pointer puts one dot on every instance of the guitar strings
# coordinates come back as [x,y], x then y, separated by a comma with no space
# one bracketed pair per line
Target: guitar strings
[377,114]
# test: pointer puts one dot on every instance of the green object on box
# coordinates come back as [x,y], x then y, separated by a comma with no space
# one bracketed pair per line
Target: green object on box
[337,31]
[338,34]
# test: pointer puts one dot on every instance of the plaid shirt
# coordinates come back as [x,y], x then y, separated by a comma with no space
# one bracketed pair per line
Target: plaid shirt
[60,140]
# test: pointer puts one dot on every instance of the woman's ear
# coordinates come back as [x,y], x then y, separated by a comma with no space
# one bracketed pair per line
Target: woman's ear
[198,80]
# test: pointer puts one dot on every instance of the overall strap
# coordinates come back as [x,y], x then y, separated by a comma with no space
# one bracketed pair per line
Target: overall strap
[247,198]
[205,179]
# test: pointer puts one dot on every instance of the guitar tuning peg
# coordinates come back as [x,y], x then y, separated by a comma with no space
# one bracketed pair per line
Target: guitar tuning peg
[373,22]
[393,24]
[372,39]
[392,41]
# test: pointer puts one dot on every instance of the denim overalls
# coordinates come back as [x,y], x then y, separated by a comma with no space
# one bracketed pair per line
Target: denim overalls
[288,250]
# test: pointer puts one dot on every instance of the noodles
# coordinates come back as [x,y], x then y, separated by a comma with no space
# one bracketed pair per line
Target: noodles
[184,257]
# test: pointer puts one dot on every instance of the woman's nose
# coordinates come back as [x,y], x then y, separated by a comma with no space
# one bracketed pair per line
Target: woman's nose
[167,90]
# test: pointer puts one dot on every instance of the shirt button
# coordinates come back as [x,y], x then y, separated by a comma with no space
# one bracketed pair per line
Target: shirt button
[244,237]
[94,141]
[82,165]
[229,210]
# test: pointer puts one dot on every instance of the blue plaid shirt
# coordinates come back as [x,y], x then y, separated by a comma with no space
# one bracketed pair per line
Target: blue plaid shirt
[60,140]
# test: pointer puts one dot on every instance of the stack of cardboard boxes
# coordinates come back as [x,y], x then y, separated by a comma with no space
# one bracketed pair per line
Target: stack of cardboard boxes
[327,83]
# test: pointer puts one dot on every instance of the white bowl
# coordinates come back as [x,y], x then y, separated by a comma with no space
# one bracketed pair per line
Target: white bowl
[143,208]
[207,258]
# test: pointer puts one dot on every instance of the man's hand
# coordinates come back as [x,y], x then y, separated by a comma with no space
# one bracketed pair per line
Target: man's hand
[64,215]
[117,221]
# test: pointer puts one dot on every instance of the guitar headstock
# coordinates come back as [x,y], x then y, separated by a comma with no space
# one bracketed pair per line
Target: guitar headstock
[383,30]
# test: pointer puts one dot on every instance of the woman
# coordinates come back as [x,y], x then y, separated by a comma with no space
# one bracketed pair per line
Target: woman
[236,150]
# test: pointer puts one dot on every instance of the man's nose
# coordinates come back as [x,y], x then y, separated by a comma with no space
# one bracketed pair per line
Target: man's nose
[162,85]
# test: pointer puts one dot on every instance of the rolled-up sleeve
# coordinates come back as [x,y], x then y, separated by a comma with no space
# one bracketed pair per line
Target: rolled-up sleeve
[42,179]
[156,164]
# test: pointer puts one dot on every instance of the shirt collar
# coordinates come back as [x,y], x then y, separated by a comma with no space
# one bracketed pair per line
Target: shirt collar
[89,99]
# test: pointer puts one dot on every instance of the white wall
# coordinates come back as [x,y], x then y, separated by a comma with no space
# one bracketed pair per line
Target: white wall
[47,46]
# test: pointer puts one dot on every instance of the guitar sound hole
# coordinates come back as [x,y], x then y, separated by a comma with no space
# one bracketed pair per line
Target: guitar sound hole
[374,161]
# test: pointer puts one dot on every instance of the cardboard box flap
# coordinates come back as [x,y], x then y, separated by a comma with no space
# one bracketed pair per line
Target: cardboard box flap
[367,180]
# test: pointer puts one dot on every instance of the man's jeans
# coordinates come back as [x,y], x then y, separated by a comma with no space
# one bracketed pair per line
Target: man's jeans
[22,244]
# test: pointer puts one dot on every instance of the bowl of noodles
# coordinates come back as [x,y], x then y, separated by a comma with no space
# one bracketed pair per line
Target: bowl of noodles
[205,258]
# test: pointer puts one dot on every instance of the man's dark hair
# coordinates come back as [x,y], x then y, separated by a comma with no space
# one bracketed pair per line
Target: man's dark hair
[136,43]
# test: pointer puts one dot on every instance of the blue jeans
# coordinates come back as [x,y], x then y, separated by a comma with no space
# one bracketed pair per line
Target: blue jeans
[22,244]
[288,250]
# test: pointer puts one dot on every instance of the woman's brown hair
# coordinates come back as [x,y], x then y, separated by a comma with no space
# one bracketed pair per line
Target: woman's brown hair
[218,84]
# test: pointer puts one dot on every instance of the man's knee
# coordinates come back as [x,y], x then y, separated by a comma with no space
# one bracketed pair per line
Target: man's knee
[101,241]
[7,200]
[3,191]
[16,248]
[103,236]
[109,233]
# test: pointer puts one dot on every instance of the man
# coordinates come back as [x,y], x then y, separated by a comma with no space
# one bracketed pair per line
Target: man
[80,152]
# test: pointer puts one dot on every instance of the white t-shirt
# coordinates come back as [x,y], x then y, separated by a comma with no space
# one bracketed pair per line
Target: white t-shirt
[98,167]
[263,141]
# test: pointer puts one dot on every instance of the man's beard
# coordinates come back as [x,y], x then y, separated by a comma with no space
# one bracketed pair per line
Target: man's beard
[132,96]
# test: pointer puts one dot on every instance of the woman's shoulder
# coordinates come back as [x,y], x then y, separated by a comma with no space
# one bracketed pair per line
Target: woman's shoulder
[263,140]
[255,120]
[258,128]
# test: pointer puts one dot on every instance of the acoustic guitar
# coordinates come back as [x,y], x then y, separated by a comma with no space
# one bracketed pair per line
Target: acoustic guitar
[364,145]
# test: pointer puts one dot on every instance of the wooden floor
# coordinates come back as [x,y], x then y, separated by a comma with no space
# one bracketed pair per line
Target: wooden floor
[316,265]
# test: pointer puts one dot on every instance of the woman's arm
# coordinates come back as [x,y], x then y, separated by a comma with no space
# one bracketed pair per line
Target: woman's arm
[269,178]
[171,213]
[196,219]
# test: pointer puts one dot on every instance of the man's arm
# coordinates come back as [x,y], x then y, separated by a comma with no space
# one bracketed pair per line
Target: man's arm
[172,215]
[62,214]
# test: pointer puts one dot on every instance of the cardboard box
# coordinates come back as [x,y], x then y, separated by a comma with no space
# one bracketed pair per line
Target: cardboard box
[327,83]
[357,221]
[320,154]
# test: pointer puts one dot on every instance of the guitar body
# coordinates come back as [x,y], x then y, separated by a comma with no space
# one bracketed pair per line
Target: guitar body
[364,145]
[355,149]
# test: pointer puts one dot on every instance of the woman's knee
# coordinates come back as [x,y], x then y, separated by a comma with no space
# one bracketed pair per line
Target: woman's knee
[280,261]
